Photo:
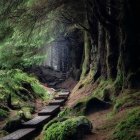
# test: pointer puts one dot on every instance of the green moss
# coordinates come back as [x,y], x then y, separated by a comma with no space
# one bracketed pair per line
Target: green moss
[27,112]
[37,88]
[86,63]
[101,89]
[3,114]
[13,82]
[77,110]
[41,91]
[17,101]
[128,100]
[83,107]
[56,120]
[127,128]
[67,129]
[20,90]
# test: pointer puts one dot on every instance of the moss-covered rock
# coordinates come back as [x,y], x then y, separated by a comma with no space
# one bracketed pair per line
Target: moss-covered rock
[127,129]
[67,129]
[13,82]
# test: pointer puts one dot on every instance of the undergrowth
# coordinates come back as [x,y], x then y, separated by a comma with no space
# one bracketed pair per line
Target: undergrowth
[19,90]
[129,99]
[127,129]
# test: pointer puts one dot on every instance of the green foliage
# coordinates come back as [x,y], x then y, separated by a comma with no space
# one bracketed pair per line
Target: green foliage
[22,88]
[5,31]
[87,47]
[127,128]
[20,41]
[67,129]
[26,112]
[27,27]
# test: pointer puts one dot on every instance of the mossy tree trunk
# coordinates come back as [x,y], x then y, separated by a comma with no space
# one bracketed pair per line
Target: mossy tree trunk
[102,51]
[112,52]
[114,32]
[131,45]
[87,50]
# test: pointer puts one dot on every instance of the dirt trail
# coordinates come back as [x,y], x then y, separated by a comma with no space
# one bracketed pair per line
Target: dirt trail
[98,120]
[69,84]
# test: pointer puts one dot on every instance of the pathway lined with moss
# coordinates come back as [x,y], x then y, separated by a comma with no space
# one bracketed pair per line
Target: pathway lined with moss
[31,128]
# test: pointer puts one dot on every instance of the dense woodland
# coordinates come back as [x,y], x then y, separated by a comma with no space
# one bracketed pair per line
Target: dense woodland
[93,42]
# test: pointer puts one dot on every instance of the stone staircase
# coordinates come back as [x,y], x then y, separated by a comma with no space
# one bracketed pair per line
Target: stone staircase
[30,128]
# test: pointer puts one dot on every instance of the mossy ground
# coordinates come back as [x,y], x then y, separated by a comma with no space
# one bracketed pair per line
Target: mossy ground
[127,128]
[129,98]
[20,85]
[18,93]
[122,119]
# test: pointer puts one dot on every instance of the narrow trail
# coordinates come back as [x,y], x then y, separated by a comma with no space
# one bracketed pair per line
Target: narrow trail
[31,128]
[98,120]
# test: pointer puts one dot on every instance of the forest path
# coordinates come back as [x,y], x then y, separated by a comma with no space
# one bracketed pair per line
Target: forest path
[98,119]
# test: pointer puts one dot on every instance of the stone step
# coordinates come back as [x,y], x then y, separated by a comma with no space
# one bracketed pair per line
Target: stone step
[38,121]
[60,97]
[30,128]
[57,102]
[64,94]
[21,134]
[50,110]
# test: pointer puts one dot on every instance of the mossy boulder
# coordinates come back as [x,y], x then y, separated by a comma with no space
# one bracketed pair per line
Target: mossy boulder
[127,129]
[67,129]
